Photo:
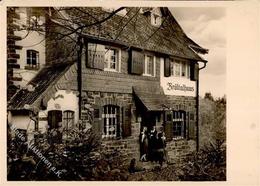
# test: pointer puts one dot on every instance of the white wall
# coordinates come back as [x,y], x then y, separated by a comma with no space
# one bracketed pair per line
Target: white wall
[22,122]
[64,100]
[35,41]
[177,86]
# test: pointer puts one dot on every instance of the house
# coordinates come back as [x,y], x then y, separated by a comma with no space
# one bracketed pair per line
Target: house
[131,69]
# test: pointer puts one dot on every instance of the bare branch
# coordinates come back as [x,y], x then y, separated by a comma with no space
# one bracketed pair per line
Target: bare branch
[97,22]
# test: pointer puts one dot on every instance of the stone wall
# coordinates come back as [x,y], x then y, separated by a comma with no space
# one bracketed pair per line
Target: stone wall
[129,146]
[178,150]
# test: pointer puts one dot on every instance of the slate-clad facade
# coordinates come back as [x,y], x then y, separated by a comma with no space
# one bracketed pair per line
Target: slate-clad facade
[132,70]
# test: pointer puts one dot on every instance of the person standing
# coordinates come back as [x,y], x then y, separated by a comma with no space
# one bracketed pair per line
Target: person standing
[161,144]
[152,144]
[143,139]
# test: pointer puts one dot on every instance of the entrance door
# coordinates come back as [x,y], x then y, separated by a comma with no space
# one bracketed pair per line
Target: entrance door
[148,120]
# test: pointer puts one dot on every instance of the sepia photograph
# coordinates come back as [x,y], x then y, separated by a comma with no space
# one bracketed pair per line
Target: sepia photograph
[116,93]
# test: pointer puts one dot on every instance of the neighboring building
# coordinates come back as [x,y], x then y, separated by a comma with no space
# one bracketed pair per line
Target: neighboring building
[135,69]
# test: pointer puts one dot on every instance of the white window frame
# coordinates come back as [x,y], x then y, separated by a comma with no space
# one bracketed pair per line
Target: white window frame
[66,118]
[179,116]
[180,62]
[118,63]
[30,58]
[146,66]
[107,124]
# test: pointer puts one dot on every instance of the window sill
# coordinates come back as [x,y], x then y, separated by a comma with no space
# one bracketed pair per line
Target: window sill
[179,138]
[104,137]
[149,75]
[31,68]
[110,70]
[181,77]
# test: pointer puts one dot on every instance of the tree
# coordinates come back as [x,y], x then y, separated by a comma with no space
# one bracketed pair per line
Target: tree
[208,96]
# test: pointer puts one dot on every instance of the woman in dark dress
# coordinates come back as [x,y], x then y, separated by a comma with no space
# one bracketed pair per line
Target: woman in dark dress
[143,138]
[161,144]
[152,144]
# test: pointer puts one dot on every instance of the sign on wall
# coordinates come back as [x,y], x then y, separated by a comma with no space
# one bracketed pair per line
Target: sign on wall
[178,86]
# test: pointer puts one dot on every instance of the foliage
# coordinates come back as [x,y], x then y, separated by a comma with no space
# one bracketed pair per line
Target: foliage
[66,157]
[208,96]
[212,118]
[209,164]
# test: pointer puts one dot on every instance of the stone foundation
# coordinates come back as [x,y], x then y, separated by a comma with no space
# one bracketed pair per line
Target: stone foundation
[127,146]
[178,150]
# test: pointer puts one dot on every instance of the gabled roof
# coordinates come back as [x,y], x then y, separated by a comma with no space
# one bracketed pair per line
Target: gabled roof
[135,30]
[46,77]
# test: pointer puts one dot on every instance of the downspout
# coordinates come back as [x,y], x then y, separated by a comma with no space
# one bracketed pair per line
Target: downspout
[197,107]
[79,74]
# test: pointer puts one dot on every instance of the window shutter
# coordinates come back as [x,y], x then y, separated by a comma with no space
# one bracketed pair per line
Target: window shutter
[167,67]
[184,132]
[95,57]
[191,126]
[194,71]
[126,121]
[54,117]
[168,125]
[98,121]
[136,62]
[119,121]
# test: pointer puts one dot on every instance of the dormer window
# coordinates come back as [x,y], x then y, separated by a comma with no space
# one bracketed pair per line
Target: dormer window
[156,19]
[32,60]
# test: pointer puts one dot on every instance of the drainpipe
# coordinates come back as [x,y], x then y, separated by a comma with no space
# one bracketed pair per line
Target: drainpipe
[79,74]
[197,107]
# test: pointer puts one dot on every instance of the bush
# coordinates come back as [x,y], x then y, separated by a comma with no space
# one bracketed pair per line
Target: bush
[209,164]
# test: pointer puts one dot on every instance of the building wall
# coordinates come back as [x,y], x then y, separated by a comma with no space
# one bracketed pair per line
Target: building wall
[129,146]
[98,85]
[30,40]
[22,122]
[62,100]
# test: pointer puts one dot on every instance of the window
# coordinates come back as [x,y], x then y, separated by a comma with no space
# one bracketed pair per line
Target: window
[149,65]
[32,59]
[156,19]
[111,117]
[68,119]
[176,69]
[183,70]
[111,59]
[54,123]
[178,124]
[35,19]
[103,57]
[179,68]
